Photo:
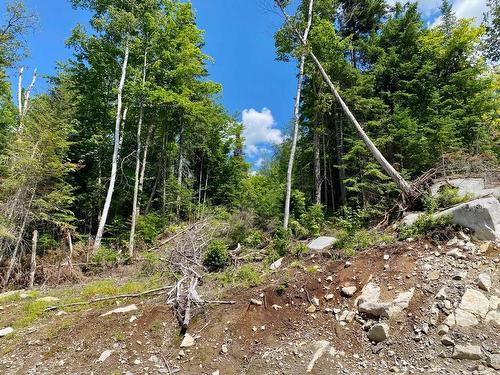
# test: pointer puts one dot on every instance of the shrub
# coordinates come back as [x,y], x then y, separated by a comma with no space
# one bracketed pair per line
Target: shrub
[300,249]
[314,219]
[298,230]
[151,264]
[281,241]
[248,275]
[425,225]
[360,239]
[254,239]
[216,256]
[448,196]
[149,226]
[105,256]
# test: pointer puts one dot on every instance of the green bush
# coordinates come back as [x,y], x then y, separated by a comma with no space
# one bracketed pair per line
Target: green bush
[151,264]
[253,239]
[300,249]
[150,226]
[353,241]
[248,275]
[298,230]
[281,241]
[216,256]
[425,225]
[447,197]
[314,219]
[105,256]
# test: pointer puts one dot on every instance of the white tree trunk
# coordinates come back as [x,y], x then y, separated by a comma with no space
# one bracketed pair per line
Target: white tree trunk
[286,216]
[33,259]
[114,163]
[135,208]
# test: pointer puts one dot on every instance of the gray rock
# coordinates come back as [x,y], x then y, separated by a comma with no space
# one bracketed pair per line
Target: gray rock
[474,187]
[467,351]
[481,215]
[447,341]
[456,253]
[475,302]
[379,332]
[349,291]
[188,341]
[493,317]
[375,309]
[369,293]
[484,281]
[442,329]
[460,275]
[461,318]
[493,360]
[494,303]
[276,264]
[104,355]
[6,331]
[322,243]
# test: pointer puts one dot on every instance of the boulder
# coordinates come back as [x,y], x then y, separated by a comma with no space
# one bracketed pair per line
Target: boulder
[461,318]
[447,341]
[379,332]
[475,302]
[401,302]
[481,215]
[322,243]
[411,217]
[494,303]
[467,351]
[473,187]
[369,293]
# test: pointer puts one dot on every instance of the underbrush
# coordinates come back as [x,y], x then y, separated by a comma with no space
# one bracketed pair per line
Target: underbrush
[245,276]
[425,225]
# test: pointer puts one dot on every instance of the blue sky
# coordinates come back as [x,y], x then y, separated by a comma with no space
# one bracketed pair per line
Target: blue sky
[239,36]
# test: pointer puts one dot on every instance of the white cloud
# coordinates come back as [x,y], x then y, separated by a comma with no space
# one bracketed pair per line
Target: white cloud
[259,163]
[260,129]
[462,9]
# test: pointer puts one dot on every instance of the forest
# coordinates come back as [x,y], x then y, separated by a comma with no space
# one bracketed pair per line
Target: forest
[131,139]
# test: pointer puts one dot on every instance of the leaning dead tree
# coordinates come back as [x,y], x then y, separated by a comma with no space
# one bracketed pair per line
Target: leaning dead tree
[408,191]
[185,259]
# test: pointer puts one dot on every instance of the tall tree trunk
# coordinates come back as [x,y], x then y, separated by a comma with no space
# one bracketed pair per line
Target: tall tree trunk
[286,216]
[114,163]
[325,171]
[339,140]
[179,170]
[70,248]
[135,208]
[34,241]
[389,169]
[145,159]
[317,165]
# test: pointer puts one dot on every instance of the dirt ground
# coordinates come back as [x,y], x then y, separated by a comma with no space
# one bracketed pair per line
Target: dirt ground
[278,337]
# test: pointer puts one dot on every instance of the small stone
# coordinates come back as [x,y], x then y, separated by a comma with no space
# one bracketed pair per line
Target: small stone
[104,355]
[61,313]
[442,329]
[467,351]
[137,362]
[315,301]
[188,341]
[379,332]
[276,307]
[6,331]
[455,253]
[276,264]
[329,278]
[349,291]
[132,319]
[493,361]
[447,341]
[181,353]
[121,310]
[442,293]
[216,372]
[256,302]
[386,256]
[434,275]
[493,317]
[328,297]
[311,309]
[484,281]
[224,349]
[348,264]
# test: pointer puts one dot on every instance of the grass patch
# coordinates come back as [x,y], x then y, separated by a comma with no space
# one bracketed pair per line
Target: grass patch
[105,288]
[358,240]
[244,276]
[32,310]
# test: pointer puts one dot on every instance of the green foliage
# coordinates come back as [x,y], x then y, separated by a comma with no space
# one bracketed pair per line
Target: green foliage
[253,239]
[150,226]
[314,219]
[248,275]
[216,256]
[300,249]
[151,264]
[281,241]
[105,256]
[425,225]
[447,197]
[358,240]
